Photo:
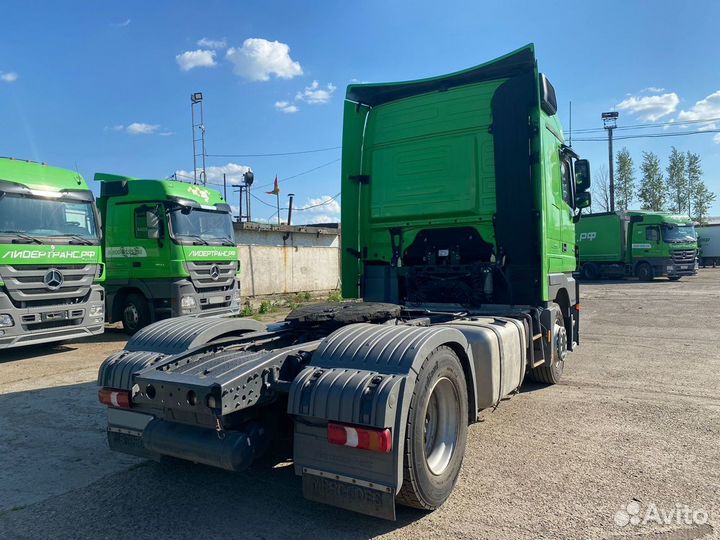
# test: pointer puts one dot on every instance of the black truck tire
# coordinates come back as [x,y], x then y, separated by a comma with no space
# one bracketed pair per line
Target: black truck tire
[644,272]
[436,432]
[135,313]
[590,271]
[674,278]
[553,373]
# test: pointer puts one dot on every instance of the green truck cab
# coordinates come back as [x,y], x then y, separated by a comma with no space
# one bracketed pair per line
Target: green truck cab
[50,258]
[170,251]
[636,243]
[461,189]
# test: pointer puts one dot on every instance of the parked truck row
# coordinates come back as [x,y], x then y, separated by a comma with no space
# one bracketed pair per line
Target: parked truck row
[459,201]
[637,243]
[160,248]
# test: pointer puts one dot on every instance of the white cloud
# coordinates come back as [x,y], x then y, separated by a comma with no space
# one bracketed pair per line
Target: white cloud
[193,59]
[315,94]
[259,58]
[140,128]
[122,24]
[716,138]
[652,90]
[650,108]
[286,107]
[707,108]
[323,209]
[214,175]
[208,43]
[324,218]
[8,77]
[118,127]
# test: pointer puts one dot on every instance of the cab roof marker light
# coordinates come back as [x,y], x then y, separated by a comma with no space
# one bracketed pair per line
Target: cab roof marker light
[44,193]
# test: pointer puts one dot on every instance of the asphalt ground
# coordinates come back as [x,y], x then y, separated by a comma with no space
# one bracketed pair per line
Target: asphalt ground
[626,446]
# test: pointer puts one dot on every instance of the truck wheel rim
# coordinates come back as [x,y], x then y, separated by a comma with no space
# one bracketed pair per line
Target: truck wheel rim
[442,421]
[561,342]
[131,315]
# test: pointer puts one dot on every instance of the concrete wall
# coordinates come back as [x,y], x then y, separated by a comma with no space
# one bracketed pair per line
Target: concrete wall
[281,259]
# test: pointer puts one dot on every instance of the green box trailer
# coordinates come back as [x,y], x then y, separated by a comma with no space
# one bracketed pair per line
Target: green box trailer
[636,243]
[50,261]
[459,203]
[170,250]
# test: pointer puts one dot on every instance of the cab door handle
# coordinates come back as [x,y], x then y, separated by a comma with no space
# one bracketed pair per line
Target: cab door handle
[137,264]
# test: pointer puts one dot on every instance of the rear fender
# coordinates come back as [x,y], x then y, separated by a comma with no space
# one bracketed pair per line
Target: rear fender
[180,334]
[363,374]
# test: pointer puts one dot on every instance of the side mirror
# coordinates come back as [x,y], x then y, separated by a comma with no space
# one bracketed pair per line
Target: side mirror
[582,175]
[583,200]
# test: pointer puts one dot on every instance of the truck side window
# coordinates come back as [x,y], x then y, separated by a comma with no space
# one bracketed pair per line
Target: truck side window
[566,179]
[652,234]
[147,223]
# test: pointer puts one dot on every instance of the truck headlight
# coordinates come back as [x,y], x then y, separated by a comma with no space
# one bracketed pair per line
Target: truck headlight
[6,320]
[187,302]
[670,268]
[96,310]
[236,295]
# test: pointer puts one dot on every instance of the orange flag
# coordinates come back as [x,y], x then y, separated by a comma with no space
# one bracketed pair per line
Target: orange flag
[276,188]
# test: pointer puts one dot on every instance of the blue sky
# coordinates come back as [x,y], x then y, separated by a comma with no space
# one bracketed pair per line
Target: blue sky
[105,87]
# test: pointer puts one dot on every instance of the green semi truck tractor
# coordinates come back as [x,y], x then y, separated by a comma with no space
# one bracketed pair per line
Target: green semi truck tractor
[50,260]
[170,250]
[459,202]
[636,243]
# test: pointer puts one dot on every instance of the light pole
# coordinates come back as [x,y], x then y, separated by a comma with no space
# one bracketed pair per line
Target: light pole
[610,122]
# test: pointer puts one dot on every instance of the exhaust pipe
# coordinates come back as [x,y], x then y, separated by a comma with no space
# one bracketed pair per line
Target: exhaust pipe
[229,450]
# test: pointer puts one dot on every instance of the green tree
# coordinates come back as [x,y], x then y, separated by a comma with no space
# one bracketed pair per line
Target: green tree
[624,180]
[652,192]
[677,183]
[701,198]
[696,187]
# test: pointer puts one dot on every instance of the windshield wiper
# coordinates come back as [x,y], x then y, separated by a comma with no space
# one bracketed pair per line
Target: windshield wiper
[227,242]
[26,237]
[199,240]
[80,240]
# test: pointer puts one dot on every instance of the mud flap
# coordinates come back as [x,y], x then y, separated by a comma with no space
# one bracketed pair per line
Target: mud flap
[349,493]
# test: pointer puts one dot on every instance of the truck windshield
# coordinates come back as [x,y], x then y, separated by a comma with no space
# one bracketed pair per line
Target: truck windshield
[39,217]
[206,225]
[675,234]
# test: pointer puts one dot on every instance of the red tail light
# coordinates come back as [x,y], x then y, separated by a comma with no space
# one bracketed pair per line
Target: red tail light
[115,398]
[375,440]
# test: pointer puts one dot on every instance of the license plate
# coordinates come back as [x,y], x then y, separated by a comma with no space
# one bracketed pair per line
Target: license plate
[684,267]
[349,496]
[216,300]
[54,316]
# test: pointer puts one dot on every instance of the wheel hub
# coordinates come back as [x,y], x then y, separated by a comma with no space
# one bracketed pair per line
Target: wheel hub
[131,315]
[561,342]
[442,424]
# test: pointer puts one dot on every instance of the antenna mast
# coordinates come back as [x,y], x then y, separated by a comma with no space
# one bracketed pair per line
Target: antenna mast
[198,134]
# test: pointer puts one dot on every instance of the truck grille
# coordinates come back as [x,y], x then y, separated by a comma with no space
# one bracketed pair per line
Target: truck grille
[26,284]
[202,275]
[683,256]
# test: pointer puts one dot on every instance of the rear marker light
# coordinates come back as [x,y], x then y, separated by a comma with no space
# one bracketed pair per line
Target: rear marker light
[115,398]
[375,440]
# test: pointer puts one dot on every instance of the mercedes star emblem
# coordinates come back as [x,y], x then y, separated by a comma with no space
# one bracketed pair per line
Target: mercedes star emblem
[53,280]
[214,272]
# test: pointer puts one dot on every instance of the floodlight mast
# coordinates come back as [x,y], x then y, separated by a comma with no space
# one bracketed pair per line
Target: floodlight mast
[198,135]
[609,123]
